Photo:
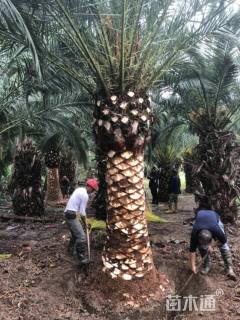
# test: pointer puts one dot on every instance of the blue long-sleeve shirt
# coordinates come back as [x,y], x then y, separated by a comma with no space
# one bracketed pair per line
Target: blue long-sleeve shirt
[206,219]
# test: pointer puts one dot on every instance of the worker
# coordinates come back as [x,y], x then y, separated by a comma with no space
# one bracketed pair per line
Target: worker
[208,227]
[153,184]
[65,182]
[174,189]
[77,205]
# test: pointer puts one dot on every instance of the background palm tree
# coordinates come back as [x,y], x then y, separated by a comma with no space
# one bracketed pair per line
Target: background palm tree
[210,100]
[26,180]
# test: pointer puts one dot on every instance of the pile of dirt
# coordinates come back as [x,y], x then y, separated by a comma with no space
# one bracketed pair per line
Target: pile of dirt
[154,286]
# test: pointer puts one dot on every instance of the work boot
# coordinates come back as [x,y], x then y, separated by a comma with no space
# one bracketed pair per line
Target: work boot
[227,258]
[175,208]
[169,208]
[206,265]
[82,253]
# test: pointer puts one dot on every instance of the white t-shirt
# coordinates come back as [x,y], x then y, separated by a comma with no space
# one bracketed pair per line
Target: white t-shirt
[78,201]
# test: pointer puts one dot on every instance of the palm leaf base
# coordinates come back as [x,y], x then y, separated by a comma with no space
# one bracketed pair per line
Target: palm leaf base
[164,177]
[28,202]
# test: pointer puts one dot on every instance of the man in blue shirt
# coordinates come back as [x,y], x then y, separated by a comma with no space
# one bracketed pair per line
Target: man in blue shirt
[208,227]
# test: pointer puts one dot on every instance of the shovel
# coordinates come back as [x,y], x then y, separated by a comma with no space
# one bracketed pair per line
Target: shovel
[83,221]
[88,238]
[192,275]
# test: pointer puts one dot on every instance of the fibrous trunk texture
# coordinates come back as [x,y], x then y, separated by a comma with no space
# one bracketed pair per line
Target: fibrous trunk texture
[100,203]
[67,168]
[54,194]
[26,181]
[164,177]
[217,166]
[121,128]
[191,182]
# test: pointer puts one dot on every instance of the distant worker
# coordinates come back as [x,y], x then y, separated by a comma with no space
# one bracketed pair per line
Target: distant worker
[65,187]
[73,185]
[174,189]
[77,206]
[153,185]
[208,227]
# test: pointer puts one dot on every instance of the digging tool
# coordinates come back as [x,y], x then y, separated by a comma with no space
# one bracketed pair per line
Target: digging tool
[192,275]
[83,221]
[88,238]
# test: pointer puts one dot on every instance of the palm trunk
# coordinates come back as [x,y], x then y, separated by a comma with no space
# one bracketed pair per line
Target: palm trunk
[216,161]
[164,177]
[127,251]
[191,182]
[54,193]
[100,204]
[67,168]
[121,128]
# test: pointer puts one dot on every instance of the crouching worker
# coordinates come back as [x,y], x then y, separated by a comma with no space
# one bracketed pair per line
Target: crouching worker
[208,227]
[77,205]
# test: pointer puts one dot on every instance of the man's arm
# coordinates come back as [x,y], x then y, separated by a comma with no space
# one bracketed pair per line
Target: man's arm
[192,258]
[83,205]
[193,248]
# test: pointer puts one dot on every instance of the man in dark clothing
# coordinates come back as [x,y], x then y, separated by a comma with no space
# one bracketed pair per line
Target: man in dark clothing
[208,227]
[153,185]
[174,189]
[65,186]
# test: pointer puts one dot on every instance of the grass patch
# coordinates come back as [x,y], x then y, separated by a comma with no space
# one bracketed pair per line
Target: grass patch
[4,256]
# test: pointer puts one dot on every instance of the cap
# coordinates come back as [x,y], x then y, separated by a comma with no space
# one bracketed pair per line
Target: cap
[93,183]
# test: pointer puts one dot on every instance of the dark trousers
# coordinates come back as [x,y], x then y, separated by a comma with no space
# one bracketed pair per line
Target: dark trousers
[78,238]
[154,195]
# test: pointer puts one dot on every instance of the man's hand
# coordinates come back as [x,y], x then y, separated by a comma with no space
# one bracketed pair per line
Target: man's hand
[192,258]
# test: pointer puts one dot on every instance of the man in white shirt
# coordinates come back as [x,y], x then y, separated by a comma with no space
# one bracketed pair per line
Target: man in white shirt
[77,204]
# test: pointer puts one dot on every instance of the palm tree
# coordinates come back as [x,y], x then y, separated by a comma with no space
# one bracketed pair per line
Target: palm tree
[26,180]
[211,101]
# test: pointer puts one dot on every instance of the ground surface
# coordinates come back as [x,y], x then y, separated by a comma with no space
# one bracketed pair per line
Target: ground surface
[41,282]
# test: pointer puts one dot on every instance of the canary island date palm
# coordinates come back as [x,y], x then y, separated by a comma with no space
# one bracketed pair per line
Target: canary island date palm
[211,105]
[116,50]
[26,180]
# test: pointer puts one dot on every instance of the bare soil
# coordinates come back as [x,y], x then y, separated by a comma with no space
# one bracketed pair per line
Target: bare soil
[42,282]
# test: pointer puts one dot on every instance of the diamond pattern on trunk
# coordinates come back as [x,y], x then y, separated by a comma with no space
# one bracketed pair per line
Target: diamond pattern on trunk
[127,252]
